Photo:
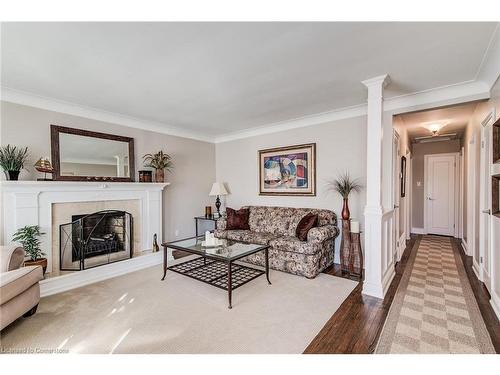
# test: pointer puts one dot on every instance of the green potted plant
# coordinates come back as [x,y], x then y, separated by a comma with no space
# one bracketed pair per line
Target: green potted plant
[12,160]
[160,162]
[29,237]
[344,185]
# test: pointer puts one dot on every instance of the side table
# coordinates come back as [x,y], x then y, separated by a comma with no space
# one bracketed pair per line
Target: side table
[204,218]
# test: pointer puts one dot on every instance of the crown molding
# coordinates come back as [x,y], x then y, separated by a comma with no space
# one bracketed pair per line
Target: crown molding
[440,96]
[489,70]
[33,100]
[300,122]
[446,95]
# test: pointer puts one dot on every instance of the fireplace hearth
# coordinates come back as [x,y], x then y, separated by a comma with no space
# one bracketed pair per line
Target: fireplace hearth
[95,239]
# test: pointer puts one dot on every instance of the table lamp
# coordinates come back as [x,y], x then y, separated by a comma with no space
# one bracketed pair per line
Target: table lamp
[218,189]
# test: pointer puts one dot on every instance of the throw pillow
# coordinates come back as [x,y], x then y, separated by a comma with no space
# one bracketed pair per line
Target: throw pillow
[237,219]
[305,224]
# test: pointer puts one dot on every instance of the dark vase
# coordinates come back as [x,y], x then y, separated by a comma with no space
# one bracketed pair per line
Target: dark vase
[13,175]
[345,210]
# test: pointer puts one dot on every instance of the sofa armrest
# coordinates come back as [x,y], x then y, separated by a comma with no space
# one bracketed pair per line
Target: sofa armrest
[11,257]
[320,234]
[221,223]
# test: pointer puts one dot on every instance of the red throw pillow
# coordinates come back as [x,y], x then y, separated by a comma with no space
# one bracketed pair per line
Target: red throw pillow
[237,219]
[305,224]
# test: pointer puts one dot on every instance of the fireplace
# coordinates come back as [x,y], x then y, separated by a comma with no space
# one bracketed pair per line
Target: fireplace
[95,239]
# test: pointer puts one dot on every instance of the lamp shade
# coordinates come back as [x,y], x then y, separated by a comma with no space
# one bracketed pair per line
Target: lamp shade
[218,188]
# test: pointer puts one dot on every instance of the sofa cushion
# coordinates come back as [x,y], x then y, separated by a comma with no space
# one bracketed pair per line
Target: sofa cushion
[249,236]
[305,224]
[293,245]
[299,264]
[15,282]
[237,219]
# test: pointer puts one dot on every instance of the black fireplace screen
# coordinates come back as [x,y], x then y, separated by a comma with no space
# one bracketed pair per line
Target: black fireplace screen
[95,239]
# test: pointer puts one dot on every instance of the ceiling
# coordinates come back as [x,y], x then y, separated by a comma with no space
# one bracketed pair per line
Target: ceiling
[454,120]
[218,78]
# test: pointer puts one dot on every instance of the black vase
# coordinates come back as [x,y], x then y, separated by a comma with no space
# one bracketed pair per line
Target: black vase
[13,175]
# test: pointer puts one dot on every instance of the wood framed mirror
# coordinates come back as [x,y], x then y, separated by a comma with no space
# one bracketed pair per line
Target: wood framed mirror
[83,155]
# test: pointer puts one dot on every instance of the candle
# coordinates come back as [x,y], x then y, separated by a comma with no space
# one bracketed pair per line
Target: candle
[354,226]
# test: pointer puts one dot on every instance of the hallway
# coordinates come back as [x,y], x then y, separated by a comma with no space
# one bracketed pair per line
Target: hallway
[434,309]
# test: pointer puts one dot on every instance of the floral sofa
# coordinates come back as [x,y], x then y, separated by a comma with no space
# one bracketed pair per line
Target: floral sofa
[276,226]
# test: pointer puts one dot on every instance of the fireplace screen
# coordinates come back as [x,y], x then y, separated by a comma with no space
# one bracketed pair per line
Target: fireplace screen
[95,239]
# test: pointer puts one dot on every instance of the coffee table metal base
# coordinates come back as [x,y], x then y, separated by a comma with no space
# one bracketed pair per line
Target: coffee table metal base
[223,275]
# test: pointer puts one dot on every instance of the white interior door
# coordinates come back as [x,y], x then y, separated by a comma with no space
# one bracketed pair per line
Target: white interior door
[485,230]
[440,182]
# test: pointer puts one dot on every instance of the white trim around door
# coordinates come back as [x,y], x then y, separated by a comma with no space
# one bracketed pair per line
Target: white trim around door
[435,201]
[485,218]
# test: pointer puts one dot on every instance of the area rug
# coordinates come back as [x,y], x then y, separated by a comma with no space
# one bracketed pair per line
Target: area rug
[138,313]
[434,309]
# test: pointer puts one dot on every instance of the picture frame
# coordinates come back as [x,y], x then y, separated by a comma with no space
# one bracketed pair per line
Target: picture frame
[403,176]
[289,170]
[496,142]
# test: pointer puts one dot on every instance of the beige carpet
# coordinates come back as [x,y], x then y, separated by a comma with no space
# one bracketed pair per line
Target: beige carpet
[138,313]
[434,309]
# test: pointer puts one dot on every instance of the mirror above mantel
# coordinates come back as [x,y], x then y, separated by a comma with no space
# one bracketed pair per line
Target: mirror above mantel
[83,155]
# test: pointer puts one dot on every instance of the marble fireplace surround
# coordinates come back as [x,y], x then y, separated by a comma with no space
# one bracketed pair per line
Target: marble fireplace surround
[33,202]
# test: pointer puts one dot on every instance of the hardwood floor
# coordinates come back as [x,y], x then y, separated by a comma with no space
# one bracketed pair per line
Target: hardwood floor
[356,325]
[482,297]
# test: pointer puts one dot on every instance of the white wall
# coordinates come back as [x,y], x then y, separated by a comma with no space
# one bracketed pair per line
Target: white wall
[340,146]
[194,161]
[473,131]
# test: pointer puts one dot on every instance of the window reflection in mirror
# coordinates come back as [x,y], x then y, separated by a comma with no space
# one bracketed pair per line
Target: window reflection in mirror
[88,156]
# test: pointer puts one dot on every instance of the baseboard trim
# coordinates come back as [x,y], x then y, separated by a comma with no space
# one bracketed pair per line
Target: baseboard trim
[418,230]
[495,304]
[475,269]
[78,279]
[388,277]
[464,246]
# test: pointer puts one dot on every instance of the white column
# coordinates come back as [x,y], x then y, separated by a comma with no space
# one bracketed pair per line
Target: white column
[373,210]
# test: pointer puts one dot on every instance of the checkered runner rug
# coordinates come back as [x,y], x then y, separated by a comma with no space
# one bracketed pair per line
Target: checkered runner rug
[434,309]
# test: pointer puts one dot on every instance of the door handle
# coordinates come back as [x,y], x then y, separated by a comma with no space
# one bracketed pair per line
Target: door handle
[431,199]
[396,206]
[488,211]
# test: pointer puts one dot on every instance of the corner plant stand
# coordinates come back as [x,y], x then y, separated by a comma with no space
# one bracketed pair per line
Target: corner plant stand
[345,247]
[356,257]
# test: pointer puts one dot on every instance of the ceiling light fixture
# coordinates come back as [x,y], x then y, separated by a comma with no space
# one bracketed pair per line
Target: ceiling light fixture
[434,128]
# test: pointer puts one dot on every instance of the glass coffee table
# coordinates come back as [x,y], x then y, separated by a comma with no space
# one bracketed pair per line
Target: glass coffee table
[216,265]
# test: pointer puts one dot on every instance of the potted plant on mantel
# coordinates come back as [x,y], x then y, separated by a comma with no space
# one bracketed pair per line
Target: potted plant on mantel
[12,160]
[160,162]
[29,237]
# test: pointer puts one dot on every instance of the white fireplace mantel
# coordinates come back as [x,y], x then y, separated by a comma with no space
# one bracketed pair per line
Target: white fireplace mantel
[30,203]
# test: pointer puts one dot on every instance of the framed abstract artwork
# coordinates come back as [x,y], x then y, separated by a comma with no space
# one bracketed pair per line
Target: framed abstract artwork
[288,170]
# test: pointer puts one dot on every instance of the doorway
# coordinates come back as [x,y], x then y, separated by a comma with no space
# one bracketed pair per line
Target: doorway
[440,194]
